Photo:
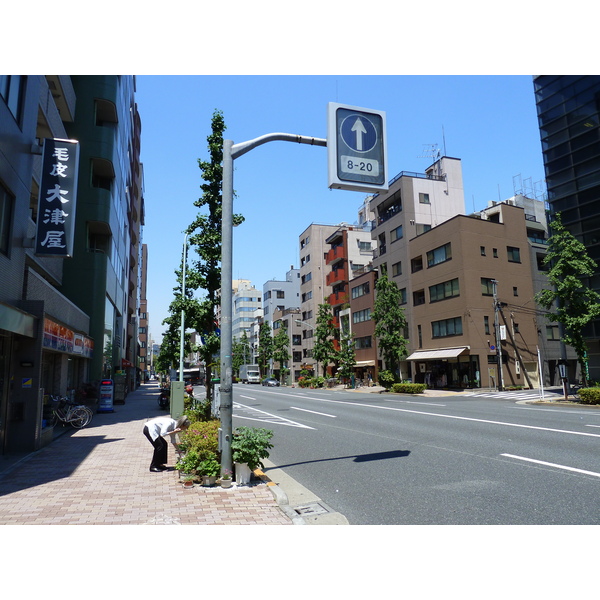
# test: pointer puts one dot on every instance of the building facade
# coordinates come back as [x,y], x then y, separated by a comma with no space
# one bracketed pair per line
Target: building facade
[45,338]
[314,289]
[568,108]
[247,307]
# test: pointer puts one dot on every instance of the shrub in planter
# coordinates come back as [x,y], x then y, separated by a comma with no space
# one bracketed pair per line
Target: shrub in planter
[386,379]
[589,395]
[250,445]
[209,467]
[408,388]
[203,438]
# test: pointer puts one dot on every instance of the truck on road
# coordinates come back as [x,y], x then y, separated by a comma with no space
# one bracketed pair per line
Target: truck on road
[250,374]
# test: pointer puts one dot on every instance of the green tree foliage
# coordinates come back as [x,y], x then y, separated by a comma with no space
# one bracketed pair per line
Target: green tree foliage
[265,346]
[575,303]
[281,352]
[346,356]
[324,350]
[390,322]
[241,353]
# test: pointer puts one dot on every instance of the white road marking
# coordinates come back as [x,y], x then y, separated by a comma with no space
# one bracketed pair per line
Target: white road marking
[268,418]
[548,464]
[314,412]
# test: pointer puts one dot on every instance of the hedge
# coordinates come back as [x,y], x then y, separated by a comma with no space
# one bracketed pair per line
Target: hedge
[408,388]
[589,395]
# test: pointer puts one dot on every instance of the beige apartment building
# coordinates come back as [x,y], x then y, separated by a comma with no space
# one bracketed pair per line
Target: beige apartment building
[314,289]
[467,275]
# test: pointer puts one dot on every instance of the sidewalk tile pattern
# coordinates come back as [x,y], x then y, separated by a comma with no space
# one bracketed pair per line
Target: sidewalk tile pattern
[100,475]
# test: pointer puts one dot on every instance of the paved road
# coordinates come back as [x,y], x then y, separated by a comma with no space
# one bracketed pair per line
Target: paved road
[387,459]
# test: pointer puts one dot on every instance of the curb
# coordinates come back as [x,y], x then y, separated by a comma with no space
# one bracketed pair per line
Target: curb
[281,498]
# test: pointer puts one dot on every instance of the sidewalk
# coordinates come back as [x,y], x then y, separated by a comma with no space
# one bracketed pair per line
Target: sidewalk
[100,475]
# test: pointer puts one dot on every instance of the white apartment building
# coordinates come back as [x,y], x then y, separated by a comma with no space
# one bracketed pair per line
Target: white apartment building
[281,294]
[247,307]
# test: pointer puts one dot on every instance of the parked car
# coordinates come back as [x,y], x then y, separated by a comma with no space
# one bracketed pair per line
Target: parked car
[270,381]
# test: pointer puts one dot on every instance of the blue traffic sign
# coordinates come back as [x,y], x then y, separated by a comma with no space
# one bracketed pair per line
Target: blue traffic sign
[356,147]
[358,133]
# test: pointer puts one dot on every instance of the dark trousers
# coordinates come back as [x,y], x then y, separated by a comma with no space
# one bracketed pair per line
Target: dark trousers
[160,449]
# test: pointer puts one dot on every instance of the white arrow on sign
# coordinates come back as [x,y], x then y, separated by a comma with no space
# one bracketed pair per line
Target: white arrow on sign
[360,130]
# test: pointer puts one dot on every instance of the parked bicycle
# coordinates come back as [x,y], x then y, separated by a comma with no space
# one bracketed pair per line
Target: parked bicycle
[66,412]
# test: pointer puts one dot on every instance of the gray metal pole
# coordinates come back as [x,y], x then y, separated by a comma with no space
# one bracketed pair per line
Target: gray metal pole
[182,332]
[230,152]
[226,395]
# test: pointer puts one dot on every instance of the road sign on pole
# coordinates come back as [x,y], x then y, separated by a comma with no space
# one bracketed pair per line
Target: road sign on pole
[356,148]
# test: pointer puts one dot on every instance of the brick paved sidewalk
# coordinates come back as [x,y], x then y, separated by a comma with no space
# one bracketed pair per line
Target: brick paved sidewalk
[99,476]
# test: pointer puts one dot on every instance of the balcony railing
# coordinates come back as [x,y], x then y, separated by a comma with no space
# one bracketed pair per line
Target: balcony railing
[335,254]
[337,275]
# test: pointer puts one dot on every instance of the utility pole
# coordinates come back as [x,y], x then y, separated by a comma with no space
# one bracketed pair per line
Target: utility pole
[497,332]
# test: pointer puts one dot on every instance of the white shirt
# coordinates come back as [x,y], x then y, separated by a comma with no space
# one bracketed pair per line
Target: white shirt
[160,426]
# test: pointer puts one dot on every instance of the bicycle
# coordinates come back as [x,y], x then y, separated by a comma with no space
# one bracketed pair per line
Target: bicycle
[66,412]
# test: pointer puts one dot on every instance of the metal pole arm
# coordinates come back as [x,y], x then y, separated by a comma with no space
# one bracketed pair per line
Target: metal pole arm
[243,147]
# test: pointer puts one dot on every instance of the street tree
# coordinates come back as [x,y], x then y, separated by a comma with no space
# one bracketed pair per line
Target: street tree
[573,301]
[240,352]
[281,351]
[204,235]
[346,356]
[390,323]
[265,346]
[324,350]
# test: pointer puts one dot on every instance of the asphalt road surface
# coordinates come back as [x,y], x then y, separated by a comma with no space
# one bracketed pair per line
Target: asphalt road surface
[390,459]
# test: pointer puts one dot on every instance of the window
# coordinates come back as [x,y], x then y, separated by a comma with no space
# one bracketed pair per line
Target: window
[280,294]
[418,297]
[420,335]
[364,246]
[515,291]
[11,90]
[439,255]
[540,262]
[396,234]
[495,252]
[486,325]
[482,250]
[403,296]
[6,209]
[306,278]
[306,296]
[424,198]
[441,291]
[422,228]
[552,332]
[446,328]
[514,254]
[361,315]
[381,244]
[360,290]
[304,260]
[416,264]
[362,342]
[396,269]
[487,286]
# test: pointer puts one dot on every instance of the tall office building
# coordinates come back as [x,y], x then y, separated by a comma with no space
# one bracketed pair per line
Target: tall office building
[568,109]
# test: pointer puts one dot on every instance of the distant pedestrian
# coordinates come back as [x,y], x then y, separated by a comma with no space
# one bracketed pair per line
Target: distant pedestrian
[154,430]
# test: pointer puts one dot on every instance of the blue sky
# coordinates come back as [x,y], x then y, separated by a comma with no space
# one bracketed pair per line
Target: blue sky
[489,122]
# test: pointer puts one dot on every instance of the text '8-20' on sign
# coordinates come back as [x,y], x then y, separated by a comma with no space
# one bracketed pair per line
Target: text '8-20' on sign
[356,148]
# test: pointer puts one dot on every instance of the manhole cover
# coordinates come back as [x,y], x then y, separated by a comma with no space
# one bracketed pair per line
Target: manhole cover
[314,508]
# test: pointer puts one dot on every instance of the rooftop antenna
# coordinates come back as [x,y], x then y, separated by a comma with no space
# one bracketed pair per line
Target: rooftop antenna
[444,140]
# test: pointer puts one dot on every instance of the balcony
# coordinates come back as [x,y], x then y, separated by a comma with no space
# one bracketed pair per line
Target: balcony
[337,275]
[337,253]
[336,298]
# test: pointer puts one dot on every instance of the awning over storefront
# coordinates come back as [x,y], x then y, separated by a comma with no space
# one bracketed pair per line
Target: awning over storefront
[365,363]
[437,354]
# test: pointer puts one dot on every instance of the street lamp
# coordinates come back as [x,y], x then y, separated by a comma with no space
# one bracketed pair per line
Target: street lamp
[310,327]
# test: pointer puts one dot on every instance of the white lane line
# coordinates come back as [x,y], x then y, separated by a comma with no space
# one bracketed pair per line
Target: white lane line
[592,425]
[314,412]
[572,412]
[548,464]
[430,414]
[268,417]
[247,397]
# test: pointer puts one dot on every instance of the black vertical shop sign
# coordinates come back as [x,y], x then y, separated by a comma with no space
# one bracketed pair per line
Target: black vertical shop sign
[57,198]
